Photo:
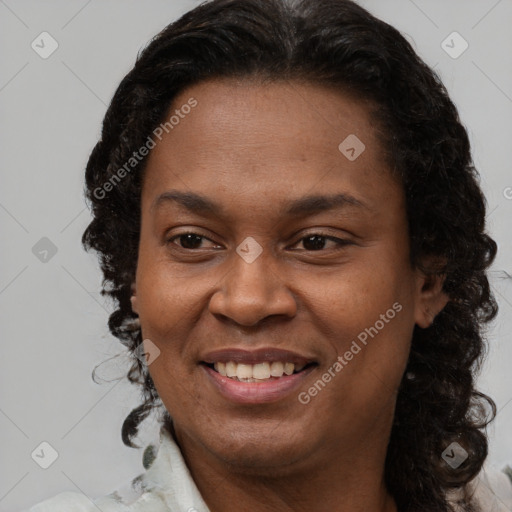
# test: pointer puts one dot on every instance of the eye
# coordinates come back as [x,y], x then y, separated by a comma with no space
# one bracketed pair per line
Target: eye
[318,242]
[189,241]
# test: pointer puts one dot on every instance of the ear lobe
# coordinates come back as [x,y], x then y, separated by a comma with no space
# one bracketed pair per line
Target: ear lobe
[430,299]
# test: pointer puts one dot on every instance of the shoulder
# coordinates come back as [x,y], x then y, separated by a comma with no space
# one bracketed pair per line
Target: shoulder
[77,502]
[74,502]
[136,496]
[491,490]
[165,486]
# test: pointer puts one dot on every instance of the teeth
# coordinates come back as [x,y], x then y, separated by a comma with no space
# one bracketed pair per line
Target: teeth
[221,368]
[231,369]
[276,369]
[244,371]
[288,368]
[256,372]
[261,371]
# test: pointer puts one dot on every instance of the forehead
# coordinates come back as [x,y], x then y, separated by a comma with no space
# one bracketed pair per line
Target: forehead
[279,138]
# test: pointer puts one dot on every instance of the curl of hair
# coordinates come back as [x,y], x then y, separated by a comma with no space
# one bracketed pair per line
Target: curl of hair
[337,44]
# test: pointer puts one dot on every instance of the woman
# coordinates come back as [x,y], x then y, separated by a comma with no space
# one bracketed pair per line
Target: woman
[288,218]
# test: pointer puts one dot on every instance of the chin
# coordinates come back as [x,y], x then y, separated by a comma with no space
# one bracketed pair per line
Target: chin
[262,451]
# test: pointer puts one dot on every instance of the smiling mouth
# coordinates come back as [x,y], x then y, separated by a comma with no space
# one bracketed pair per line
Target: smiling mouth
[260,372]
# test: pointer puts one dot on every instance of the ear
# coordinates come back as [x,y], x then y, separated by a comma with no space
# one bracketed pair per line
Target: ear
[430,298]
[133,298]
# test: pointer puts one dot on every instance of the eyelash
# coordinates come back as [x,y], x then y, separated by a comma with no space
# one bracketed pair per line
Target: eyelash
[339,241]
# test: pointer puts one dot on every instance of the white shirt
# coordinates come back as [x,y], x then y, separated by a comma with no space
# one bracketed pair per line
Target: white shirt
[167,485]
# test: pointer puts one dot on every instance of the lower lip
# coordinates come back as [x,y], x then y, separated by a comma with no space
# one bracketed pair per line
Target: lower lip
[257,392]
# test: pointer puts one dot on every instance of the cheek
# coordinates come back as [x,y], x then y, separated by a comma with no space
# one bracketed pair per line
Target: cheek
[160,298]
[172,303]
[366,314]
[166,304]
[368,325]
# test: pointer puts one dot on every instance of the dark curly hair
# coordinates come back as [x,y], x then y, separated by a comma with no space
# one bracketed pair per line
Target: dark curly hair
[333,43]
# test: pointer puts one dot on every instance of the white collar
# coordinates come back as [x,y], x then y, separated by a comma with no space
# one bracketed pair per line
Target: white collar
[168,479]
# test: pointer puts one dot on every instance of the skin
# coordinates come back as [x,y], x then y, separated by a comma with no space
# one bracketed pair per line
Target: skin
[251,148]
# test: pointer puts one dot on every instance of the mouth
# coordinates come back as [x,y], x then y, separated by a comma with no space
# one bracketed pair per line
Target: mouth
[260,372]
[259,376]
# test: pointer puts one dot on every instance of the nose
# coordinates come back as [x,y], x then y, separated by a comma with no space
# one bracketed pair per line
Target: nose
[251,292]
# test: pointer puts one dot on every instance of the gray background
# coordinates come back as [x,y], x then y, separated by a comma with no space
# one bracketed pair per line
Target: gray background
[53,319]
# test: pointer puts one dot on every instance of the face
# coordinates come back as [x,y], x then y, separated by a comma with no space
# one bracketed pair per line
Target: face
[273,274]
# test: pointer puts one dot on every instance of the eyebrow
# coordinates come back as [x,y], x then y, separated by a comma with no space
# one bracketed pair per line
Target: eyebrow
[303,206]
[189,200]
[309,205]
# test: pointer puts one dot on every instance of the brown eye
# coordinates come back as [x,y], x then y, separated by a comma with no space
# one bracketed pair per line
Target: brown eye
[314,243]
[319,241]
[189,241]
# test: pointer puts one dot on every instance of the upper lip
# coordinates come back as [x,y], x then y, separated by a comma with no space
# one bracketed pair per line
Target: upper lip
[256,356]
